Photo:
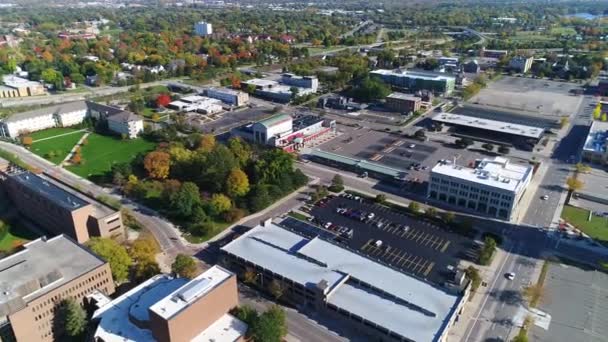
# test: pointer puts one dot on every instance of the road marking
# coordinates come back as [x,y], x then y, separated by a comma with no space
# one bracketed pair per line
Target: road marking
[445,246]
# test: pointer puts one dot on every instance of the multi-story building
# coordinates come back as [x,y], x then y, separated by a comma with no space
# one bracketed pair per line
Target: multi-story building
[60,209]
[372,300]
[417,80]
[309,82]
[283,92]
[126,123]
[167,309]
[20,87]
[493,53]
[230,96]
[521,64]
[36,279]
[493,187]
[403,103]
[203,28]
[595,149]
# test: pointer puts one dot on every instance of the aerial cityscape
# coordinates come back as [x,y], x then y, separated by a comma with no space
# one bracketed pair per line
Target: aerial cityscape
[276,171]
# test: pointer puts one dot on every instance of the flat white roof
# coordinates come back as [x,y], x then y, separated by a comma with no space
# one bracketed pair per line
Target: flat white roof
[228,328]
[181,298]
[414,74]
[18,82]
[193,98]
[261,82]
[396,301]
[597,138]
[403,96]
[490,125]
[496,173]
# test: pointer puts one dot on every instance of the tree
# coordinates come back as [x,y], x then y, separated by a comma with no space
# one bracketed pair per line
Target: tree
[207,143]
[276,289]
[249,276]
[430,212]
[184,266]
[271,326]
[143,249]
[240,149]
[488,147]
[414,207]
[563,122]
[157,164]
[574,184]
[220,203]
[487,251]
[70,318]
[582,168]
[76,158]
[380,198]
[145,269]
[115,254]
[163,100]
[258,198]
[370,89]
[337,184]
[234,215]
[183,202]
[597,112]
[604,117]
[27,141]
[503,149]
[448,216]
[237,183]
[473,274]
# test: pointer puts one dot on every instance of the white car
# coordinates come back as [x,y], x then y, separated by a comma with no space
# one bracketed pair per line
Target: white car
[510,275]
[327,225]
[412,145]
[545,197]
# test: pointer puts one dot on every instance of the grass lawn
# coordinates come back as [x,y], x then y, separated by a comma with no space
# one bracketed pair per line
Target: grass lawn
[60,145]
[103,151]
[597,228]
[15,237]
[563,31]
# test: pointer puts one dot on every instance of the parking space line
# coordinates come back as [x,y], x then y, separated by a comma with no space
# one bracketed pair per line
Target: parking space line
[428,269]
[445,246]
[420,266]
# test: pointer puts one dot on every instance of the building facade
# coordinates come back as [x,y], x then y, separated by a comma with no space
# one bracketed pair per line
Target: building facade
[232,97]
[403,103]
[203,28]
[521,64]
[127,124]
[60,209]
[174,310]
[308,82]
[493,53]
[493,187]
[595,149]
[20,87]
[417,80]
[36,279]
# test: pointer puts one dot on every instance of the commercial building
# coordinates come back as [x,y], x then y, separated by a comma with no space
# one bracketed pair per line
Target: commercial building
[167,309]
[284,131]
[20,87]
[69,114]
[595,149]
[58,208]
[403,103]
[197,104]
[203,29]
[417,80]
[308,82]
[493,128]
[230,96]
[493,53]
[284,91]
[359,166]
[492,187]
[372,300]
[36,279]
[521,64]
[339,102]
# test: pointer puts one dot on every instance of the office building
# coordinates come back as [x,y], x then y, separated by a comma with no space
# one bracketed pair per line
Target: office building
[167,309]
[203,29]
[492,129]
[284,91]
[417,80]
[371,300]
[230,96]
[60,209]
[493,53]
[595,149]
[15,86]
[492,187]
[521,64]
[403,103]
[36,279]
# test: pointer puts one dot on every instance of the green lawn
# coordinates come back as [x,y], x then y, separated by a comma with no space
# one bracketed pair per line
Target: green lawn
[103,151]
[15,237]
[58,146]
[597,228]
[563,31]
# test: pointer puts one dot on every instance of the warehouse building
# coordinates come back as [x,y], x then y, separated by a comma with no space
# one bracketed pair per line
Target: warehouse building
[36,279]
[168,309]
[417,80]
[372,300]
[15,86]
[492,187]
[230,96]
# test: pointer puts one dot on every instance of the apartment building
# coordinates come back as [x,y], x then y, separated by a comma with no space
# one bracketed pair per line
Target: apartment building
[230,96]
[417,80]
[36,279]
[167,309]
[493,187]
[15,86]
[403,103]
[126,123]
[60,209]
[521,64]
[202,28]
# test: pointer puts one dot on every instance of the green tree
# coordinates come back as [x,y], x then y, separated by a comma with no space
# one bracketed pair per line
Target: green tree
[504,149]
[237,183]
[115,254]
[271,326]
[220,203]
[488,147]
[604,117]
[70,318]
[184,266]
[473,275]
[145,269]
[337,184]
[430,212]
[276,289]
[380,198]
[370,89]
[414,207]
[448,217]
[183,202]
[258,198]
[241,150]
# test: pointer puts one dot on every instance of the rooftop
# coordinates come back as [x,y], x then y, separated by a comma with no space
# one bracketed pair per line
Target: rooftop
[597,139]
[497,173]
[490,125]
[124,116]
[42,266]
[198,287]
[275,120]
[400,303]
[364,165]
[51,110]
[18,82]
[305,121]
[402,96]
[225,91]
[260,82]
[49,190]
[414,74]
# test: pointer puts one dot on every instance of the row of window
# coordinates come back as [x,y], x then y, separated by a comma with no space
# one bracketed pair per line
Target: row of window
[464,189]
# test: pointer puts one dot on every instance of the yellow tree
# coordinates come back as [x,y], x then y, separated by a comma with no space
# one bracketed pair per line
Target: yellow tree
[237,183]
[157,164]
[574,184]
[207,143]
[597,112]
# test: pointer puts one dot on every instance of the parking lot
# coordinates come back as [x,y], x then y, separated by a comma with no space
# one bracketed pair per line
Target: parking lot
[577,300]
[415,246]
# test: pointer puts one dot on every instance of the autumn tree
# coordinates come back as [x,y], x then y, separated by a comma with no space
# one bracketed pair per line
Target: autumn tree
[184,266]
[157,164]
[115,254]
[574,184]
[237,183]
[27,141]
[163,100]
[220,203]
[597,112]
[207,143]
